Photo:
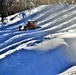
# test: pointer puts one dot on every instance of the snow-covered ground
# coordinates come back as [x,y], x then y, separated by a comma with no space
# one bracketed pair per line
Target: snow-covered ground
[49,50]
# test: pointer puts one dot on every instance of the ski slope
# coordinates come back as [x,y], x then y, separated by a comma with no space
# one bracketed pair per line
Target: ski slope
[49,50]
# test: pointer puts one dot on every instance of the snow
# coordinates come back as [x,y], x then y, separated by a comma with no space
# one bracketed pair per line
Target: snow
[55,39]
[70,71]
[68,35]
[45,45]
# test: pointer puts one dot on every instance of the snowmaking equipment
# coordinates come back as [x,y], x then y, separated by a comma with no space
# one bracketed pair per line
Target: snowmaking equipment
[31,24]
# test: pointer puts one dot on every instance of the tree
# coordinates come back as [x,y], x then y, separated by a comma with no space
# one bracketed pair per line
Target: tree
[3,9]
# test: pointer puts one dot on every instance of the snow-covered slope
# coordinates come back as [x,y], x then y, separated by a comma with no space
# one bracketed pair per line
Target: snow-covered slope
[54,42]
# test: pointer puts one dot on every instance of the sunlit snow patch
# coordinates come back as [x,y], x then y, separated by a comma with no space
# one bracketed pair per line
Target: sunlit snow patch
[70,71]
[68,35]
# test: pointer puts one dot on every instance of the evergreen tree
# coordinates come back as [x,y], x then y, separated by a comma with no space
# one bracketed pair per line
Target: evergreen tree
[1,10]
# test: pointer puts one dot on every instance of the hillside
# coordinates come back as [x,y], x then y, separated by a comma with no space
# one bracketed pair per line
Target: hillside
[49,50]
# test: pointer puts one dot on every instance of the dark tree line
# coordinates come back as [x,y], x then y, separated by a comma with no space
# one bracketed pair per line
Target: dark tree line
[9,7]
[3,10]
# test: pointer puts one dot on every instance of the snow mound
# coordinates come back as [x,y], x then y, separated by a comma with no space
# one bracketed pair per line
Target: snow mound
[46,45]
